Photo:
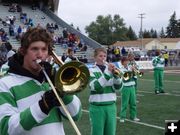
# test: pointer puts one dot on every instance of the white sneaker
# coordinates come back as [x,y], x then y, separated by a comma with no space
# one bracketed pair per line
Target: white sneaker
[122,120]
[136,119]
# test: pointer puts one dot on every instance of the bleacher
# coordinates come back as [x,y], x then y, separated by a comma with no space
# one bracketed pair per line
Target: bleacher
[37,16]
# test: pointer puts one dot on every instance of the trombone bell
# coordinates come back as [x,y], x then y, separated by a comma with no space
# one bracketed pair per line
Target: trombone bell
[72,77]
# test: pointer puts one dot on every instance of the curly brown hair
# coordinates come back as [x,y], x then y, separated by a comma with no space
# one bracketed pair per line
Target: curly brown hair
[36,34]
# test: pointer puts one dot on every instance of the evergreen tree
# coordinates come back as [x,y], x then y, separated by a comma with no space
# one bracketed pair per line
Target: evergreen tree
[172,28]
[162,34]
[154,34]
[146,34]
[178,27]
[131,34]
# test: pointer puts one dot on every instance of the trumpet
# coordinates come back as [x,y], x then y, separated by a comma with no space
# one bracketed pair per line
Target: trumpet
[71,78]
[137,71]
[117,72]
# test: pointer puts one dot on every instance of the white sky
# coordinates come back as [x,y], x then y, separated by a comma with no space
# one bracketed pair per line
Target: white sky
[157,12]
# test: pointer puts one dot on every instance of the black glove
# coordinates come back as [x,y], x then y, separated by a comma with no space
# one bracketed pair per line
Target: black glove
[48,101]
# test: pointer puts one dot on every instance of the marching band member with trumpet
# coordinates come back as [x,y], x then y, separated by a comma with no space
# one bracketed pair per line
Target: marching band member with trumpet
[135,68]
[27,105]
[128,95]
[158,63]
[103,84]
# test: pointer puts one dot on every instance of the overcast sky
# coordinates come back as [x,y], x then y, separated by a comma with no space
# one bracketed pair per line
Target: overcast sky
[157,12]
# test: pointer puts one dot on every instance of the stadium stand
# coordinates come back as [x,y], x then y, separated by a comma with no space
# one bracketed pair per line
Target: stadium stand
[42,18]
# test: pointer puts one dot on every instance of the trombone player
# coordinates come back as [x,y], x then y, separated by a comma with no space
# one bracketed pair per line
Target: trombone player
[27,105]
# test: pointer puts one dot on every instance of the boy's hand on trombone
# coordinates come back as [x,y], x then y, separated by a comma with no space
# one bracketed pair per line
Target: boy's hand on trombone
[49,101]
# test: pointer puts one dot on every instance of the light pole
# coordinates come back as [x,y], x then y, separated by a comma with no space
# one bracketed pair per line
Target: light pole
[141,16]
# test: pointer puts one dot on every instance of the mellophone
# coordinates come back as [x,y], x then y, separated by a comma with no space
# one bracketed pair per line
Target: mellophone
[72,77]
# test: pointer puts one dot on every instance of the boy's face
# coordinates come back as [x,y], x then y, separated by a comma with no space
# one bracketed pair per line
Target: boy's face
[100,58]
[125,63]
[131,58]
[37,50]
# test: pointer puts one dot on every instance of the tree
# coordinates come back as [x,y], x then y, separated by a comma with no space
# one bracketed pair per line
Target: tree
[153,33]
[146,34]
[107,30]
[178,27]
[131,34]
[162,34]
[172,28]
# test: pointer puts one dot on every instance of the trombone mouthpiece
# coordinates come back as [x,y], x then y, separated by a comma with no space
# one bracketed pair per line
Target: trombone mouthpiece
[38,61]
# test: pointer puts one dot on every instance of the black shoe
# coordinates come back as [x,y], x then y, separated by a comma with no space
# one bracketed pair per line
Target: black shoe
[162,92]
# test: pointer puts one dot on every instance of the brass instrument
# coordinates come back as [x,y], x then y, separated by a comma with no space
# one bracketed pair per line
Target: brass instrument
[126,75]
[71,78]
[117,71]
[137,71]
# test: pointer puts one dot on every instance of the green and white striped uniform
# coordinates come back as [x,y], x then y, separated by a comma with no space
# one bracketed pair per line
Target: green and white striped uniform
[102,110]
[128,95]
[4,69]
[20,113]
[103,86]
[158,63]
[129,82]
[133,63]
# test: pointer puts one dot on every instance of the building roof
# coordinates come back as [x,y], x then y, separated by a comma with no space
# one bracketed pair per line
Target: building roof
[145,41]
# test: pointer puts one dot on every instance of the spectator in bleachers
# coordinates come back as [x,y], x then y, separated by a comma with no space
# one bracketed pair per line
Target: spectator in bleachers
[166,58]
[109,54]
[65,33]
[10,52]
[56,27]
[84,48]
[63,57]
[123,51]
[117,53]
[11,30]
[19,33]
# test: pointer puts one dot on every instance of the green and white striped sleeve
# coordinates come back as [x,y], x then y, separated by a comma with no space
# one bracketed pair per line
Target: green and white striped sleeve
[117,83]
[12,120]
[97,80]
[73,105]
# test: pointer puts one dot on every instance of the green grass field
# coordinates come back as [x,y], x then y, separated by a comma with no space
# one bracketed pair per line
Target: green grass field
[153,109]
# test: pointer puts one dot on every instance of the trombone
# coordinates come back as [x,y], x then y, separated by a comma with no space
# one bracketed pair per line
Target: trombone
[117,71]
[71,78]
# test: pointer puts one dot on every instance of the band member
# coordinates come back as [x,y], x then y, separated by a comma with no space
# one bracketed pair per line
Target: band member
[103,84]
[70,56]
[27,105]
[134,65]
[158,63]
[128,94]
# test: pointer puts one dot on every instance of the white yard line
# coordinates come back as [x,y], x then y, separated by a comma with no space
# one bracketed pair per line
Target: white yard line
[140,123]
[164,94]
[139,95]
[164,80]
[176,91]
